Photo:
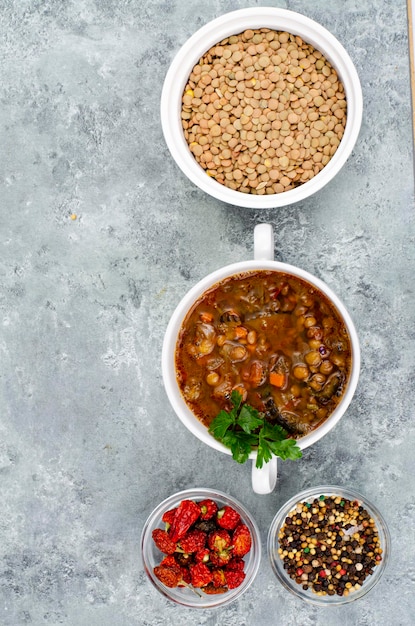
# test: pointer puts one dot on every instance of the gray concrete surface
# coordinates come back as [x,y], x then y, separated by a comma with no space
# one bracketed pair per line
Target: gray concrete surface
[88,441]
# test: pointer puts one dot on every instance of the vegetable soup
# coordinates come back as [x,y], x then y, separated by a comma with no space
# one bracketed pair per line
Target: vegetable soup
[274,338]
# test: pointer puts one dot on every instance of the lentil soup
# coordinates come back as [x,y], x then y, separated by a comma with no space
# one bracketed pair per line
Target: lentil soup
[271,336]
[263,111]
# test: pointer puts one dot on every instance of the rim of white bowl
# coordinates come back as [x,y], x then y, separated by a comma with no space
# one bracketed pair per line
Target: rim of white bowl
[168,366]
[229,24]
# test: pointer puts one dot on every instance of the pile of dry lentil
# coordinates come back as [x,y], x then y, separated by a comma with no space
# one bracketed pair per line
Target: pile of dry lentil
[263,111]
[330,545]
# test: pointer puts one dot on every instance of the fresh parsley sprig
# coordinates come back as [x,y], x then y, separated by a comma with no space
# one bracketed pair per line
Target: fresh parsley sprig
[243,428]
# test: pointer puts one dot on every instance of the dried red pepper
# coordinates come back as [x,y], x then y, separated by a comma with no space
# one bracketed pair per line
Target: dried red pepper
[169,576]
[209,558]
[168,517]
[163,541]
[186,514]
[193,541]
[208,508]
[219,540]
[201,575]
[241,540]
[234,578]
[228,518]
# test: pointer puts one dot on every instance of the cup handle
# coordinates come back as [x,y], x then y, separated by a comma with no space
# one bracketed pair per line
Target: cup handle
[263,242]
[265,479]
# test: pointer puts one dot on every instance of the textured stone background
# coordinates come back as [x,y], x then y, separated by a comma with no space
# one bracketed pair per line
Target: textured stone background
[88,441]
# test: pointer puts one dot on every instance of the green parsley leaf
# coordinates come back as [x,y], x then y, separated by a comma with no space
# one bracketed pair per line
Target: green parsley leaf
[240,445]
[221,423]
[264,453]
[248,419]
[243,428]
[286,449]
[273,440]
[275,432]
[236,400]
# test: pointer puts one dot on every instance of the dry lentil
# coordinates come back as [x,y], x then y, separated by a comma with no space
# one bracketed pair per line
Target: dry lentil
[344,545]
[258,91]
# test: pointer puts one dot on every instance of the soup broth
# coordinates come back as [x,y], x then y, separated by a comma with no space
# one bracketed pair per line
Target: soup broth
[274,338]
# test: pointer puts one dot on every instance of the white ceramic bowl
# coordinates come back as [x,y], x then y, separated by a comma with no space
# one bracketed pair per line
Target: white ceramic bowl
[308,495]
[184,595]
[232,24]
[265,478]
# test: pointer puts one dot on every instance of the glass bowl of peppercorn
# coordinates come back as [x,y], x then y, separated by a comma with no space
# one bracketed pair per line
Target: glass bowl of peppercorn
[328,545]
[201,548]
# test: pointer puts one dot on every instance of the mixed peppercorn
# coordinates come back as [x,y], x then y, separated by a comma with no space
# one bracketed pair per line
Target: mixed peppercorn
[204,546]
[329,545]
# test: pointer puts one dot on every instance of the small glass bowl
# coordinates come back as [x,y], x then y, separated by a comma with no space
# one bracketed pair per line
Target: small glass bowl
[152,556]
[308,595]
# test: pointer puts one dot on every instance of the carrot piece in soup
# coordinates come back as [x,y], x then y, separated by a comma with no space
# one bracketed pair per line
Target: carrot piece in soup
[240,332]
[206,317]
[277,379]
